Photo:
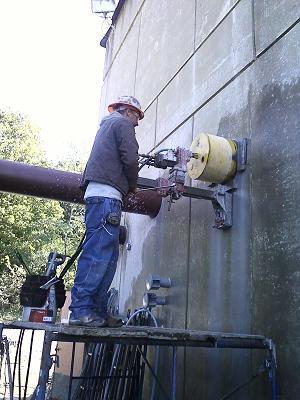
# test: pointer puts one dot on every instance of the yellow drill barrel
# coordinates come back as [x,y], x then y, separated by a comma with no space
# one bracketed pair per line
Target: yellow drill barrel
[215,160]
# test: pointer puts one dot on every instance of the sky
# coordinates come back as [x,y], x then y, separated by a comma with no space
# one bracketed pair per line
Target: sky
[51,67]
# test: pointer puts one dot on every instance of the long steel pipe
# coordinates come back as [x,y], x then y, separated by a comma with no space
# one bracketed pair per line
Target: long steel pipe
[20,178]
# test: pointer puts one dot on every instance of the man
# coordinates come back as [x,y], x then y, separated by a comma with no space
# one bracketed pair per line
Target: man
[111,172]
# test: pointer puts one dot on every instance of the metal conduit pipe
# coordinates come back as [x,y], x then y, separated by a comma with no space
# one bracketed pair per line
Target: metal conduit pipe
[26,179]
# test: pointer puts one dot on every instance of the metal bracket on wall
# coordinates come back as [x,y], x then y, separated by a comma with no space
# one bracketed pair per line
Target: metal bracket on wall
[223,205]
[220,195]
[221,198]
[242,154]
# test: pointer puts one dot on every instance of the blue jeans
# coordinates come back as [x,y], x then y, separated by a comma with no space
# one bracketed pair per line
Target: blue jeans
[98,261]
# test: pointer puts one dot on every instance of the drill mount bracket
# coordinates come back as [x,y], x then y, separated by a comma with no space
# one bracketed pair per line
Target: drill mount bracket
[221,195]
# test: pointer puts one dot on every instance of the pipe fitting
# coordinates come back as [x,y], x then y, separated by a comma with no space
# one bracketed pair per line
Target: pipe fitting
[151,300]
[154,282]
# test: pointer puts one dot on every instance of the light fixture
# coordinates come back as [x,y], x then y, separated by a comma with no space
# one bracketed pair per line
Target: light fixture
[104,6]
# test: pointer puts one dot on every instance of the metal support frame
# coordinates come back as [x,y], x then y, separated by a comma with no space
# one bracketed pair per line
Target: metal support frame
[5,344]
[273,369]
[110,378]
[146,336]
[71,370]
[174,372]
[46,364]
[221,197]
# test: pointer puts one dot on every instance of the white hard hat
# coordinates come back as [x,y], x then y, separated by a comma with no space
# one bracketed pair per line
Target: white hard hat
[130,101]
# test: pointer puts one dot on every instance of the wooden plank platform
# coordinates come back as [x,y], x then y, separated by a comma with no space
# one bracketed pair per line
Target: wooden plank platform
[145,335]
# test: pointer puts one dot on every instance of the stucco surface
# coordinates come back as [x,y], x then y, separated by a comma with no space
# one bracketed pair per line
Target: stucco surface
[208,70]
[167,33]
[245,279]
[275,194]
[219,269]
[272,18]
[160,246]
[208,15]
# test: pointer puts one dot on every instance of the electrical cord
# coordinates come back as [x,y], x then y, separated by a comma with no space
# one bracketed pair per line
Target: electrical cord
[68,265]
[73,258]
[148,159]
[143,163]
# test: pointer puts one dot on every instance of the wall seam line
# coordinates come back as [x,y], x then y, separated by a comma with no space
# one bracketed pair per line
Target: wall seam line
[187,279]
[137,54]
[227,83]
[253,30]
[155,126]
[278,38]
[186,61]
[195,24]
[194,52]
[251,263]
[206,102]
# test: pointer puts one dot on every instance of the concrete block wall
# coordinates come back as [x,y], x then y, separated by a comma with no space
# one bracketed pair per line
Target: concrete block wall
[230,68]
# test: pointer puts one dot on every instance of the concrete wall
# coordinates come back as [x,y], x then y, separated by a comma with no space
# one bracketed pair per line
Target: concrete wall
[230,68]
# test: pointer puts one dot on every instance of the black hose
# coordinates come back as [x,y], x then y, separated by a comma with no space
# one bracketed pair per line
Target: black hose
[73,258]
[143,163]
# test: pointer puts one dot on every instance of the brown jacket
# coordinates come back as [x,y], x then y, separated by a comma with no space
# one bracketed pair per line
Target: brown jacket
[114,155]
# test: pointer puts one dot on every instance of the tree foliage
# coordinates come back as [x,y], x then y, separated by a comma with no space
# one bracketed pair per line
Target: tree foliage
[29,226]
[19,139]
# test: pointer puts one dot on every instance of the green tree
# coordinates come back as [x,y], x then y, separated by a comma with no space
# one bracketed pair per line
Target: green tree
[72,227]
[30,226]
[19,139]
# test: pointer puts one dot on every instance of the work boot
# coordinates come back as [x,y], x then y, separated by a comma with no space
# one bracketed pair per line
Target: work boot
[113,322]
[88,320]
